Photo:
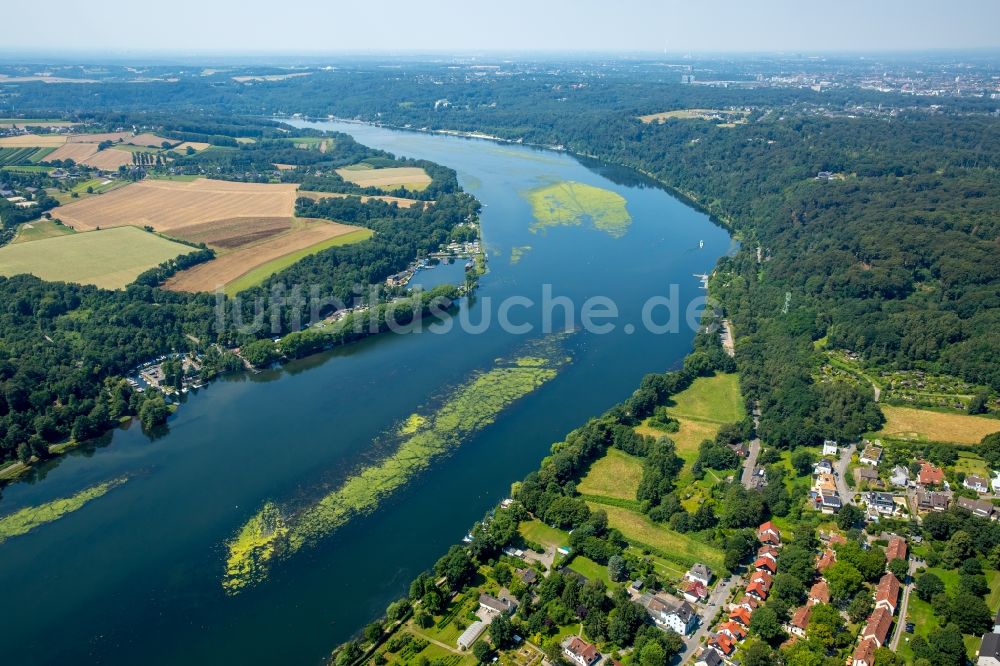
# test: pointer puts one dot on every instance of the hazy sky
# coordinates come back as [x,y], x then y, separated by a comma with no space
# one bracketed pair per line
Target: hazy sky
[302,26]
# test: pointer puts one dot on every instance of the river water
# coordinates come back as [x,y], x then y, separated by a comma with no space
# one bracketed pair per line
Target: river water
[134,576]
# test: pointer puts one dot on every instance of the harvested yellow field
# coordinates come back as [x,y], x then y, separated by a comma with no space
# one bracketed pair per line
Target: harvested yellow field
[98,138]
[217,273]
[923,424]
[284,167]
[402,202]
[413,178]
[168,205]
[149,140]
[196,146]
[108,159]
[33,141]
[78,152]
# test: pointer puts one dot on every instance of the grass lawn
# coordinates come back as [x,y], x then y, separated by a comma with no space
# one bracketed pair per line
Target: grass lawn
[40,229]
[539,532]
[666,568]
[666,543]
[450,632]
[110,258]
[264,271]
[970,463]
[617,474]
[715,399]
[924,424]
[590,569]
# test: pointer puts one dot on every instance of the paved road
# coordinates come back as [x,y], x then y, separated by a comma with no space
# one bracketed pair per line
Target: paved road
[901,620]
[751,463]
[840,470]
[715,601]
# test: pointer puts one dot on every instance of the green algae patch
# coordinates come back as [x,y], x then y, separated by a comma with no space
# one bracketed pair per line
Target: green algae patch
[571,204]
[26,519]
[517,252]
[422,438]
[252,547]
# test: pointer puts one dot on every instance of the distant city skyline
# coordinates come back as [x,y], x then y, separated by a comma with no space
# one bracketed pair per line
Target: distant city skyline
[441,26]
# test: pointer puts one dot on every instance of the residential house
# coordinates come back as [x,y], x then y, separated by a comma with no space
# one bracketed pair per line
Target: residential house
[528,576]
[829,448]
[871,455]
[740,614]
[837,539]
[580,652]
[709,657]
[877,628]
[671,613]
[749,603]
[723,644]
[734,630]
[765,564]
[979,508]
[930,475]
[695,591]
[900,476]
[865,475]
[989,650]
[494,605]
[825,482]
[829,502]
[996,623]
[977,483]
[881,502]
[742,451]
[932,500]
[469,636]
[768,551]
[758,590]
[995,482]
[800,621]
[887,593]
[864,654]
[896,550]
[769,534]
[824,466]
[700,573]
[819,593]
[826,560]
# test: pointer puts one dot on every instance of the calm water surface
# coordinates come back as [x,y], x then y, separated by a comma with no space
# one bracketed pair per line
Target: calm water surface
[133,577]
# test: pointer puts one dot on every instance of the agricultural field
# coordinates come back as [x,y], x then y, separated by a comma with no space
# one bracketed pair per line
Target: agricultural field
[390,178]
[571,204]
[256,275]
[33,141]
[110,259]
[196,146]
[252,264]
[616,475]
[402,202]
[150,140]
[168,205]
[538,532]
[108,160]
[924,425]
[40,230]
[78,152]
[114,137]
[9,156]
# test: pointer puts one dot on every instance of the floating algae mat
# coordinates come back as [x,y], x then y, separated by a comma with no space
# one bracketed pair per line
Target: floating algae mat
[23,521]
[274,532]
[571,204]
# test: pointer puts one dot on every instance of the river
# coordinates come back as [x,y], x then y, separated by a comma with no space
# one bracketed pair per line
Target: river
[134,576]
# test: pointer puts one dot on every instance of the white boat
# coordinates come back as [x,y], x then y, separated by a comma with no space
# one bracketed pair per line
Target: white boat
[701,244]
